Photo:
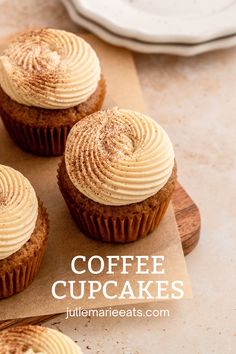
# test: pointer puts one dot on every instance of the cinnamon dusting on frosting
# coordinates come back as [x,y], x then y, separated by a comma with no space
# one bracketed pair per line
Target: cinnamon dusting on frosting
[18,211]
[36,340]
[49,68]
[118,157]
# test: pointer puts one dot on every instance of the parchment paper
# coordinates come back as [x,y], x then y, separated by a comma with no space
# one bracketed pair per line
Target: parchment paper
[65,240]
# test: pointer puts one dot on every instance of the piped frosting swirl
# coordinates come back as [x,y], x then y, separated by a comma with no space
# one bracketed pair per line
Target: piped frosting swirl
[37,340]
[49,68]
[18,211]
[118,157]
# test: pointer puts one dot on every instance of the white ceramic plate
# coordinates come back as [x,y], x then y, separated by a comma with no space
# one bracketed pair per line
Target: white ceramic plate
[177,49]
[163,21]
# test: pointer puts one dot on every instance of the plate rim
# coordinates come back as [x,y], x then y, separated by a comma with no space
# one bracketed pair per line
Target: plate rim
[174,49]
[223,30]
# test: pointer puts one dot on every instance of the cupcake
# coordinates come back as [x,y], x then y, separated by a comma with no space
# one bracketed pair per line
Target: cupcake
[49,80]
[36,339]
[117,175]
[23,232]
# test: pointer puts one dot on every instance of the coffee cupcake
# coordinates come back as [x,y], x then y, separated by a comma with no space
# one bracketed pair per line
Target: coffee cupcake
[36,339]
[49,80]
[23,232]
[117,175]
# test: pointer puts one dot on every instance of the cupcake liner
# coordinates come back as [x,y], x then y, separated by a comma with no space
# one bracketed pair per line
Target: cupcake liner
[21,275]
[18,280]
[39,137]
[43,141]
[114,229]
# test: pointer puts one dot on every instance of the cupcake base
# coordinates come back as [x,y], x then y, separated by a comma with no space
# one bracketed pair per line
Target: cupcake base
[116,224]
[44,131]
[41,141]
[19,270]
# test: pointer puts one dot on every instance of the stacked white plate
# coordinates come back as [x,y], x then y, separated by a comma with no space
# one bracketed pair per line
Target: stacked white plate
[183,27]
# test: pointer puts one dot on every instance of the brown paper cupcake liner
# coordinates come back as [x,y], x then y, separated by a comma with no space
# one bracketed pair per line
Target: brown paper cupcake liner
[115,229]
[18,280]
[20,275]
[43,141]
[41,131]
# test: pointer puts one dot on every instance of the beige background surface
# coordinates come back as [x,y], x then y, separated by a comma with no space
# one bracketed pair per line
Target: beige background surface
[194,99]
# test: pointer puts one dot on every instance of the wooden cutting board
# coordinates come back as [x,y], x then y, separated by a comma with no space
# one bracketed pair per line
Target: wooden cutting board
[188,221]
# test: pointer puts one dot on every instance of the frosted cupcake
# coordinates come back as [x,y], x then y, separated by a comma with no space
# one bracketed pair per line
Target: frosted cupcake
[23,232]
[117,175]
[36,340]
[49,80]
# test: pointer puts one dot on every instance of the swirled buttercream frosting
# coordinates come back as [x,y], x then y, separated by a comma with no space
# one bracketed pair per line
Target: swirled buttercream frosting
[118,157]
[49,68]
[36,340]
[18,211]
